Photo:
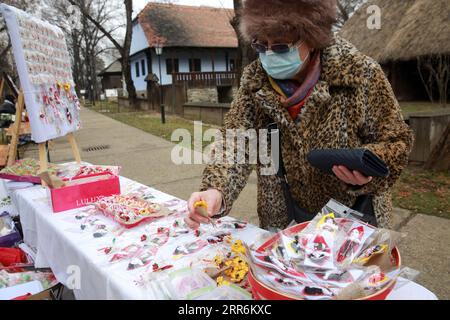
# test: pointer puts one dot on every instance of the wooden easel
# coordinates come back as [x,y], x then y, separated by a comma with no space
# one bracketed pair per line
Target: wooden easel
[20,107]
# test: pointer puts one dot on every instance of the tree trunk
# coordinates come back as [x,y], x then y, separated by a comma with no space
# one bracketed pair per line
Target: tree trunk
[77,67]
[246,54]
[126,69]
[440,156]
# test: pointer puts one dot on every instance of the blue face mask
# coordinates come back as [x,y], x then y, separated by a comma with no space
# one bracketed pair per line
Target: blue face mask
[282,66]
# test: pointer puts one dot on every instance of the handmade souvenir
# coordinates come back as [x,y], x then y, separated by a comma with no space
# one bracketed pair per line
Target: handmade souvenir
[229,265]
[218,237]
[271,262]
[317,293]
[125,253]
[231,224]
[318,253]
[351,242]
[179,228]
[370,253]
[282,283]
[328,223]
[130,211]
[377,249]
[189,248]
[160,238]
[335,278]
[92,224]
[142,259]
[289,248]
[25,170]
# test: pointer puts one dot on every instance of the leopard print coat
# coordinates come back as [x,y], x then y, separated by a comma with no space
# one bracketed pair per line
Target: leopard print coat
[352,106]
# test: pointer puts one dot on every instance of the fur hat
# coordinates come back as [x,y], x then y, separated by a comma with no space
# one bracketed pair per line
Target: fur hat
[308,20]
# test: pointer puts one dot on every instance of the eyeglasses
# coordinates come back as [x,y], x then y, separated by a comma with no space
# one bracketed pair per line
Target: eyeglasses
[278,48]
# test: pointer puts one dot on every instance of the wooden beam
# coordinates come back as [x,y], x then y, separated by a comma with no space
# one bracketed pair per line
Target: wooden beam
[2,87]
[15,132]
[43,160]
[74,146]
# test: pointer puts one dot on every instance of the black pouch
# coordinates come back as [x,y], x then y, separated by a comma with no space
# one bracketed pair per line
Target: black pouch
[361,160]
[363,204]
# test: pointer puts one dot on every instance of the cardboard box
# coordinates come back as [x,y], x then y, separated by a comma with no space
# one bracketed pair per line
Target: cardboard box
[83,191]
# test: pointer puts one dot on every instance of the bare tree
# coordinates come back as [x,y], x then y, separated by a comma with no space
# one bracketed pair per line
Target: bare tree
[434,72]
[440,156]
[345,9]
[123,49]
[6,62]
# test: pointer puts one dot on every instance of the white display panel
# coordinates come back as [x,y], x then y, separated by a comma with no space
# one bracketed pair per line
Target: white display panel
[45,72]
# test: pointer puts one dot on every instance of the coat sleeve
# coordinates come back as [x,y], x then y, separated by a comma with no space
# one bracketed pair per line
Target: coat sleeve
[384,132]
[227,176]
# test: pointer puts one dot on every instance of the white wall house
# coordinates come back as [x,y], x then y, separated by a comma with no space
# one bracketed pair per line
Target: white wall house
[196,39]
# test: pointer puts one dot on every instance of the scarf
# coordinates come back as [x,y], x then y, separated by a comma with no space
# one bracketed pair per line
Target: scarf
[295,95]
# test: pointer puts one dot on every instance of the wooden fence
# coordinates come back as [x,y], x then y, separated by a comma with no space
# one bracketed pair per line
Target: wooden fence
[205,79]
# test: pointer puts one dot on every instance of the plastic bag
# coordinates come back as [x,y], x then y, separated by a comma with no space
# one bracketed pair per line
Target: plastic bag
[374,280]
[298,288]
[188,284]
[378,250]
[6,225]
[9,235]
[350,241]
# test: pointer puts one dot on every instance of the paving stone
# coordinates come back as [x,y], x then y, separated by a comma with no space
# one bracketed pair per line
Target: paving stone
[426,248]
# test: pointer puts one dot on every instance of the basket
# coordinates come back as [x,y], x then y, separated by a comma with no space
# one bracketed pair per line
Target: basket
[262,292]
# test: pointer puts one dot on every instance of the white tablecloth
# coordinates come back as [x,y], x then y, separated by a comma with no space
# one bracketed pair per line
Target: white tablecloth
[63,246]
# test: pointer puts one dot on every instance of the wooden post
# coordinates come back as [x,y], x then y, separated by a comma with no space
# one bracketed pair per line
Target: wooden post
[2,87]
[43,157]
[73,144]
[43,160]
[16,129]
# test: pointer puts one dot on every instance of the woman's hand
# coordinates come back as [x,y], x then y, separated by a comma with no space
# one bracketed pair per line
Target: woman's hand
[213,199]
[354,178]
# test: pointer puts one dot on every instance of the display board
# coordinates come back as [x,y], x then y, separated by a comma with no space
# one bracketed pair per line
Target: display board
[44,67]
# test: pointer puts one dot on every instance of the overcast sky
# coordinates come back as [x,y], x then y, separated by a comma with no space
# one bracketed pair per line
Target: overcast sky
[140,4]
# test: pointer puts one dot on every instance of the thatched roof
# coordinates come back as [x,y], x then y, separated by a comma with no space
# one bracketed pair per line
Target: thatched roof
[188,26]
[409,29]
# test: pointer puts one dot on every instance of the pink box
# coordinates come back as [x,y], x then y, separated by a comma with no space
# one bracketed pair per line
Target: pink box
[84,191]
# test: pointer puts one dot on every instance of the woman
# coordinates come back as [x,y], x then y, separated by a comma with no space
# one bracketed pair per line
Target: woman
[323,94]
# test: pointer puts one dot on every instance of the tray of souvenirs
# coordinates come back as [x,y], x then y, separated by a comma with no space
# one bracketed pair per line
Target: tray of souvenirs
[25,170]
[333,257]
[130,210]
[71,171]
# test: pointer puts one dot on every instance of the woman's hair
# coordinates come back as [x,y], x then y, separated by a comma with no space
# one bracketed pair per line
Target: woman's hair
[307,20]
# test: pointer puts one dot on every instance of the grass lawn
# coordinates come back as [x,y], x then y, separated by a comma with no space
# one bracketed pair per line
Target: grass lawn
[150,121]
[421,106]
[424,192]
